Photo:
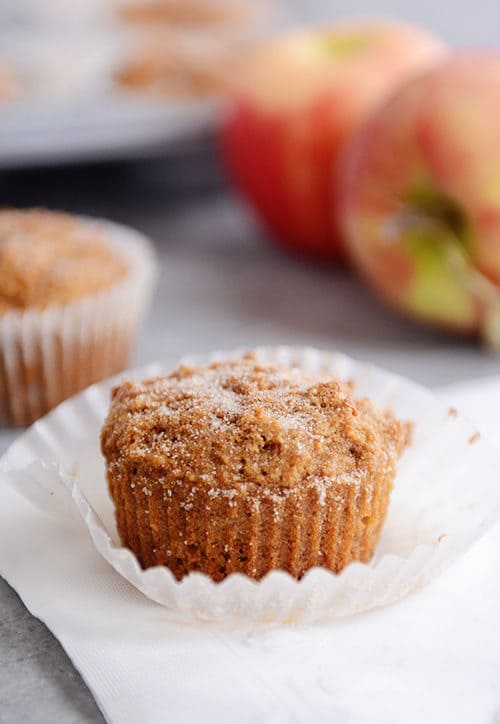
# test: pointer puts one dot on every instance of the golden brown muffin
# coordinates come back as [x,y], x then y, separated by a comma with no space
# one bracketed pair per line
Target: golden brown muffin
[69,307]
[51,258]
[248,467]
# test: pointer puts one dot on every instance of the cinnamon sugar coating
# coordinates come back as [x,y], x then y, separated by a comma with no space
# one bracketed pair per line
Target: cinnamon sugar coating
[244,466]
[49,258]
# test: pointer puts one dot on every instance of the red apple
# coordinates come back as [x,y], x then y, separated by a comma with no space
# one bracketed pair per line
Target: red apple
[420,199]
[299,98]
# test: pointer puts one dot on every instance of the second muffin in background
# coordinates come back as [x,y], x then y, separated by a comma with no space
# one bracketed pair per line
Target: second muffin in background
[72,293]
[244,466]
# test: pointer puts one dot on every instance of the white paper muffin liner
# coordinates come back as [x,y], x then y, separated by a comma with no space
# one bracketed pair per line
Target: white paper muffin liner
[446,496]
[48,355]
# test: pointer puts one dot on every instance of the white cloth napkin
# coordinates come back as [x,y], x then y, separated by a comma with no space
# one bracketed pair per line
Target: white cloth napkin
[434,657]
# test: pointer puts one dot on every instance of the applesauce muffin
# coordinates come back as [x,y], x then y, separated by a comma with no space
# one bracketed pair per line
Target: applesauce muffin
[244,466]
[71,294]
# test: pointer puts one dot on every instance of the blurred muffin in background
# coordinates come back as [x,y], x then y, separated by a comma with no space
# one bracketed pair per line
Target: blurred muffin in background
[161,65]
[9,81]
[72,293]
[190,13]
[107,49]
[187,49]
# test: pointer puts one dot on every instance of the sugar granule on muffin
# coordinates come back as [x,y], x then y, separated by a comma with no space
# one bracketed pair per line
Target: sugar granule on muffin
[247,467]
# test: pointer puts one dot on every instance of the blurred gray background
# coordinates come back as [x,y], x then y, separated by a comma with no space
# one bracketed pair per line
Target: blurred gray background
[462,22]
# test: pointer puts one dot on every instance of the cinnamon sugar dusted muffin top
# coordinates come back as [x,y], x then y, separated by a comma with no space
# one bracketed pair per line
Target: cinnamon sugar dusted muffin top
[72,294]
[244,466]
[49,257]
[242,423]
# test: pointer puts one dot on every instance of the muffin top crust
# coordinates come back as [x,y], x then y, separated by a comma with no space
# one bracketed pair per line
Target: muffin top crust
[50,258]
[242,424]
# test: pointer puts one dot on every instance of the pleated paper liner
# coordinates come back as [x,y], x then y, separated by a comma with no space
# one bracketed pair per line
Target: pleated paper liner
[295,530]
[446,496]
[50,354]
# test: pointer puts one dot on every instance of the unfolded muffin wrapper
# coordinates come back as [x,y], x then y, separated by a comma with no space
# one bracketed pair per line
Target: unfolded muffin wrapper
[48,355]
[446,495]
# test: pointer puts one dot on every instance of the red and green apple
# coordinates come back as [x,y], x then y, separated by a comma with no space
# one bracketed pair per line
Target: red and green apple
[420,196]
